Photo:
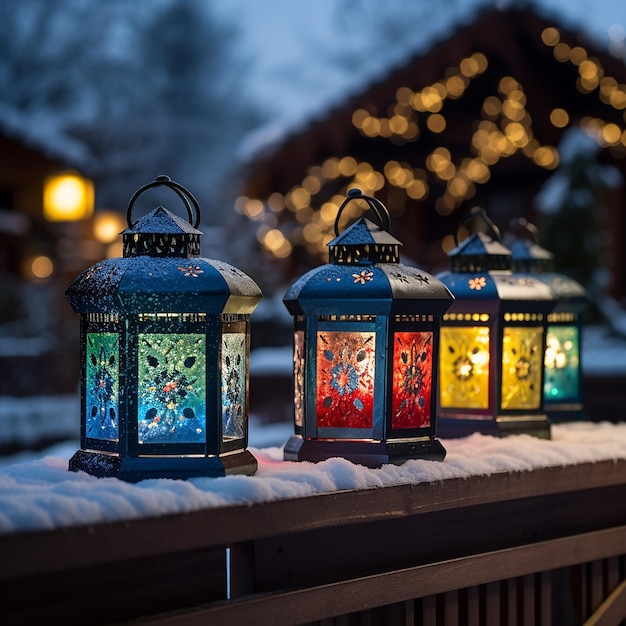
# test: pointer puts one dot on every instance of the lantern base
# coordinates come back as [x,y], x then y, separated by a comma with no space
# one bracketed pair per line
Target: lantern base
[501,426]
[369,453]
[558,413]
[134,469]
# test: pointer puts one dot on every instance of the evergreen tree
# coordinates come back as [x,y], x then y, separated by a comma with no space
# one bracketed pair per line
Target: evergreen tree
[572,213]
[144,88]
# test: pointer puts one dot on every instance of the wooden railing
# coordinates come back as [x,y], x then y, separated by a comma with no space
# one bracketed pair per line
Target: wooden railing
[524,548]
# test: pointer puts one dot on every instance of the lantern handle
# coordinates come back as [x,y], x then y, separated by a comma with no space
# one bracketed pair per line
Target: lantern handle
[520,226]
[184,194]
[482,214]
[377,207]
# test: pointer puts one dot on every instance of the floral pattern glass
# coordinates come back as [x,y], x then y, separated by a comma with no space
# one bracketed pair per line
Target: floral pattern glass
[562,363]
[522,362]
[233,384]
[345,379]
[298,376]
[172,388]
[464,367]
[101,390]
[412,379]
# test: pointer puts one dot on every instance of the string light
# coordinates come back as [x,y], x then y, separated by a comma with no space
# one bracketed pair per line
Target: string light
[506,129]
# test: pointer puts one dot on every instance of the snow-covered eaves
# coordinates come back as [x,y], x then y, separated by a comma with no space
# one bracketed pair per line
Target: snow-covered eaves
[39,132]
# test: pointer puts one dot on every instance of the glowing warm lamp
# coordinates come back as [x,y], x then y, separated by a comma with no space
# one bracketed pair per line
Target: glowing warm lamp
[67,197]
[563,379]
[165,343]
[492,342]
[365,344]
[107,225]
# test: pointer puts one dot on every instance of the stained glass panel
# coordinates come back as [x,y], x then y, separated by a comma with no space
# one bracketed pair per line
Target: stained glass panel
[562,364]
[464,367]
[101,386]
[412,379]
[522,360]
[298,376]
[172,388]
[345,379]
[233,385]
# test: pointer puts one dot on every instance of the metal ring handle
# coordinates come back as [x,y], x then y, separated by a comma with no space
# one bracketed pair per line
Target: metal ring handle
[482,214]
[184,194]
[520,226]
[377,207]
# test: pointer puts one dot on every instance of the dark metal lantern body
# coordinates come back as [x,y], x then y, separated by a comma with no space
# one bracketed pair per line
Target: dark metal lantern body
[492,343]
[165,346]
[563,377]
[365,340]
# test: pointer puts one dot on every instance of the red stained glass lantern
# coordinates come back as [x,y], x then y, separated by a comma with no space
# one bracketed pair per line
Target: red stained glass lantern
[366,332]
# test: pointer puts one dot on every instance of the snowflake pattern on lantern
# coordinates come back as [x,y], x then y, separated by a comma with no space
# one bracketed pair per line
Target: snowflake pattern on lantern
[345,379]
[172,395]
[477,283]
[522,361]
[191,270]
[233,385]
[101,393]
[363,276]
[412,379]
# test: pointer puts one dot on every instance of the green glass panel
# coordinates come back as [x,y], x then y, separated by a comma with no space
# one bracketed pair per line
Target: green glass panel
[233,385]
[171,388]
[562,364]
[102,386]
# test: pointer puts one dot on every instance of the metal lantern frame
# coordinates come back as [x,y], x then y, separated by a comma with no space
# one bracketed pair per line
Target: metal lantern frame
[365,344]
[563,375]
[165,343]
[492,341]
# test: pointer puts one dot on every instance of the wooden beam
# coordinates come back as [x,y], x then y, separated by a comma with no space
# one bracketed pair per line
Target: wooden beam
[317,603]
[79,546]
[613,610]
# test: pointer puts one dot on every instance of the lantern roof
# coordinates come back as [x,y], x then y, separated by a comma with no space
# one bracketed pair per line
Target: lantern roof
[364,275]
[528,256]
[160,220]
[364,231]
[161,271]
[480,252]
[491,292]
[148,284]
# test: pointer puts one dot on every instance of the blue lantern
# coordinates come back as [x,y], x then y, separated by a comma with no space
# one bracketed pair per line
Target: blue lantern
[365,345]
[165,341]
[492,341]
[563,379]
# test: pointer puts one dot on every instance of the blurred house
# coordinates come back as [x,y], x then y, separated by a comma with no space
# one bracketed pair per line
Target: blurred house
[39,253]
[478,119]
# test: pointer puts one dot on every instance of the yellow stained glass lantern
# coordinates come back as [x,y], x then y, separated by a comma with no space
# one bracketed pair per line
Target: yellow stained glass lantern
[562,388]
[365,345]
[492,341]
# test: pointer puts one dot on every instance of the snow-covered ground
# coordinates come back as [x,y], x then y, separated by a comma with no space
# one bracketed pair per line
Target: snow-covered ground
[43,494]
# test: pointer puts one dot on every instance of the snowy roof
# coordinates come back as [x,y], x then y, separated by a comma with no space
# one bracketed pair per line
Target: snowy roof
[40,133]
